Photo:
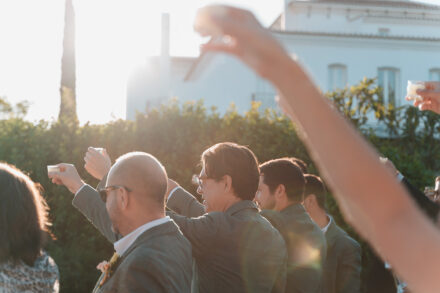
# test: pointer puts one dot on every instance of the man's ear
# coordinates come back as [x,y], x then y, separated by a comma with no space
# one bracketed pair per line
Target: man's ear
[280,192]
[123,198]
[228,183]
[309,200]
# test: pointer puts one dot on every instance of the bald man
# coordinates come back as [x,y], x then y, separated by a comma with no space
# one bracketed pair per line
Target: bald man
[151,255]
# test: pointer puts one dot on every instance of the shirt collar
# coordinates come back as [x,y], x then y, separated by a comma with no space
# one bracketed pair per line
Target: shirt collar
[325,229]
[125,242]
[241,205]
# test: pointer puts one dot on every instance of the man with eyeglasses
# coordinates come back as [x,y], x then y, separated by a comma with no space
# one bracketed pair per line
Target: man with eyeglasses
[152,255]
[235,248]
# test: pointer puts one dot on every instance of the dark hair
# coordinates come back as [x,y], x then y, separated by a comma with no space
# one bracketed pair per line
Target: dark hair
[284,171]
[23,216]
[300,163]
[237,161]
[315,186]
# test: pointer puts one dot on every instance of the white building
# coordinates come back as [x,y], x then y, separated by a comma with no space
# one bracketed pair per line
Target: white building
[338,41]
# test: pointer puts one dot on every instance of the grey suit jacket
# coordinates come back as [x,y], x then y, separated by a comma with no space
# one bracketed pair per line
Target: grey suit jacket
[342,270]
[160,260]
[302,236]
[236,251]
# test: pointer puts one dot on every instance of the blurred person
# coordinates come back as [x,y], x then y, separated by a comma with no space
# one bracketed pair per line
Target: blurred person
[24,230]
[280,195]
[396,228]
[342,269]
[421,199]
[151,254]
[235,248]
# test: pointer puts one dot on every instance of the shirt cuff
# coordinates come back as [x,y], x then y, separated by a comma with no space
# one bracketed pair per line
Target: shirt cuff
[171,192]
[400,177]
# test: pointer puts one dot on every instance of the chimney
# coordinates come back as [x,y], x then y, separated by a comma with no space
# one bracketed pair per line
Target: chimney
[165,49]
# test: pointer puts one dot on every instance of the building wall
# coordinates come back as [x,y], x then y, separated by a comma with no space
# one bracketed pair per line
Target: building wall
[319,35]
[363,57]
[362,19]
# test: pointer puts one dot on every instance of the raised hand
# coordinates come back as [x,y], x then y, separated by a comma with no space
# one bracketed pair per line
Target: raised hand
[243,36]
[430,97]
[67,176]
[97,163]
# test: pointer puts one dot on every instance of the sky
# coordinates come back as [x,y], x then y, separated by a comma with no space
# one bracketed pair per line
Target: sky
[112,37]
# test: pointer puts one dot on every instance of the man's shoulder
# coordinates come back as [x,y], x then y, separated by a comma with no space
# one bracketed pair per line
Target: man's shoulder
[343,241]
[161,250]
[162,237]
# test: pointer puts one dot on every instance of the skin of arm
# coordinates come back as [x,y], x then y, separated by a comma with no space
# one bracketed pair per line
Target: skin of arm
[368,194]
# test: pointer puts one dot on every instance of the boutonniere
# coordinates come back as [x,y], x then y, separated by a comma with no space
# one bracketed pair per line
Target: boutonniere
[107,268]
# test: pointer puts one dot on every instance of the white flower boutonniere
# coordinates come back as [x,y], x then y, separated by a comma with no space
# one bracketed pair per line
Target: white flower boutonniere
[107,268]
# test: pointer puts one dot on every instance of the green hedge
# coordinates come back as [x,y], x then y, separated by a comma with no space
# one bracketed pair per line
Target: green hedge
[177,135]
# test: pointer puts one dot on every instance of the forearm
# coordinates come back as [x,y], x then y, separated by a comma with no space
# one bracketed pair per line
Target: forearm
[368,194]
[184,203]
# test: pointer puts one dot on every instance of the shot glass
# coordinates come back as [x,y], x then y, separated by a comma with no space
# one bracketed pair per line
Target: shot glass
[52,169]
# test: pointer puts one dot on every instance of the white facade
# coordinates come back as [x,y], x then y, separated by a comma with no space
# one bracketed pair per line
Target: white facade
[338,42]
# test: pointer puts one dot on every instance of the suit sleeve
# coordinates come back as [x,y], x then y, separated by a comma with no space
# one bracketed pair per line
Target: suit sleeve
[349,268]
[89,203]
[184,203]
[430,208]
[201,231]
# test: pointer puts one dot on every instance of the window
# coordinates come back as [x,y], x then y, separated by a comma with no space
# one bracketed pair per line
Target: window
[434,74]
[389,82]
[337,76]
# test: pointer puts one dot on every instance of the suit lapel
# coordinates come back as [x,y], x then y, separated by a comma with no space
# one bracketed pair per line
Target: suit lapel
[144,237]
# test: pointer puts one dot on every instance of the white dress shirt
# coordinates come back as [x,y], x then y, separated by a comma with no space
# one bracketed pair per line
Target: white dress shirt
[324,230]
[125,242]
[172,191]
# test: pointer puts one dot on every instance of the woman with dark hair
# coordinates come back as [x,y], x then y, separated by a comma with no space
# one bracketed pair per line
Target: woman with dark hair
[24,266]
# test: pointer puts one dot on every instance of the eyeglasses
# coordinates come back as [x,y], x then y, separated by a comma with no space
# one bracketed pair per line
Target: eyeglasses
[103,192]
[198,180]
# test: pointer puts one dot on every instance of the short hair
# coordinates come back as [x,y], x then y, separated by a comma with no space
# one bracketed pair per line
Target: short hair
[284,171]
[145,170]
[23,217]
[314,185]
[301,164]
[237,161]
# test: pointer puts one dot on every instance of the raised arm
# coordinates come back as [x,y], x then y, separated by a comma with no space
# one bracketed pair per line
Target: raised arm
[182,202]
[368,194]
[86,199]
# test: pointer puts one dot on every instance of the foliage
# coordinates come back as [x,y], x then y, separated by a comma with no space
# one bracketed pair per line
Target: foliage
[177,135]
[10,111]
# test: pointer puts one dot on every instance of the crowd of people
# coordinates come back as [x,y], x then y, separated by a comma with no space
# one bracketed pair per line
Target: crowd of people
[261,227]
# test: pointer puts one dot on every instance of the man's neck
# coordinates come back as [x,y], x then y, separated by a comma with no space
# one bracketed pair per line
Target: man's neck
[321,218]
[233,200]
[285,205]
